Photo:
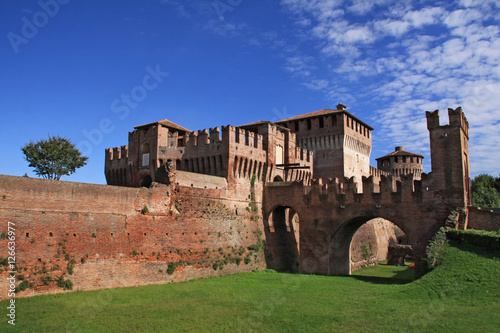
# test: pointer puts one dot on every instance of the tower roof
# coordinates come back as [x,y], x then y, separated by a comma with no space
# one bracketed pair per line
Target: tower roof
[324,112]
[166,123]
[399,151]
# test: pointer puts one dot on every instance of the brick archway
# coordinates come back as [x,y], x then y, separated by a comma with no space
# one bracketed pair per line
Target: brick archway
[281,226]
[339,251]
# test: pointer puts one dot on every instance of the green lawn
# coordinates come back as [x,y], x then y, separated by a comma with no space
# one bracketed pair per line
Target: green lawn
[461,295]
[394,274]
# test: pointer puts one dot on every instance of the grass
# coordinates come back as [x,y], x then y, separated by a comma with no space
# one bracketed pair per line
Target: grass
[460,295]
[395,274]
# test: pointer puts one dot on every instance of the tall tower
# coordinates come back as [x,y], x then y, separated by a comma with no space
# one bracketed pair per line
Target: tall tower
[341,142]
[450,156]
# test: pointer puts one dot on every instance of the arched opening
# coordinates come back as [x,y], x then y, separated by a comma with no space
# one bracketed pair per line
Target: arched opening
[340,249]
[145,181]
[370,244]
[282,236]
[277,179]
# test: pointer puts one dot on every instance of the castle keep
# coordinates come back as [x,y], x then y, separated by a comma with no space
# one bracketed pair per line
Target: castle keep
[184,204]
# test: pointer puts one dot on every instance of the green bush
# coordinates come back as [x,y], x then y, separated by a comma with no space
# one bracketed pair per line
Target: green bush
[65,284]
[171,267]
[432,251]
[144,210]
[487,239]
[22,286]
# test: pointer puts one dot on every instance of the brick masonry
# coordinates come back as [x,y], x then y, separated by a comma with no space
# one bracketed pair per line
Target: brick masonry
[112,242]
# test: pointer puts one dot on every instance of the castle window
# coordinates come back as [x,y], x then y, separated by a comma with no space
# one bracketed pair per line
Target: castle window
[180,142]
[404,159]
[309,124]
[321,122]
[334,120]
[296,123]
[395,159]
[145,155]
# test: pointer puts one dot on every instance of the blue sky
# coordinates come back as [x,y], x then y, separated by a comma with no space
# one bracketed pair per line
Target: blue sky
[69,65]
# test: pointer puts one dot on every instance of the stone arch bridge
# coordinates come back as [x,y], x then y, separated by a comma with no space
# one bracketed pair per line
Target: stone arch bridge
[317,222]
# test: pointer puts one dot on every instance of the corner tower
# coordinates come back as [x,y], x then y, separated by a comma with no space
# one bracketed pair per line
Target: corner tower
[450,156]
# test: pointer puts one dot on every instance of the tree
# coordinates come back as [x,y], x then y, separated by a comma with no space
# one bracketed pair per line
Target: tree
[54,157]
[485,192]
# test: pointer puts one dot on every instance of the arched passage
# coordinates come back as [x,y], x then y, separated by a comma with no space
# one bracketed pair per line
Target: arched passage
[370,243]
[282,236]
[145,181]
[339,252]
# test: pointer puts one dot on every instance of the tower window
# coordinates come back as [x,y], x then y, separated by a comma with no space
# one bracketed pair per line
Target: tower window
[309,124]
[321,122]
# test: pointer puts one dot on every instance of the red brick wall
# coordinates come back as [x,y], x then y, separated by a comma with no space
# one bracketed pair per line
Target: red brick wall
[483,219]
[112,243]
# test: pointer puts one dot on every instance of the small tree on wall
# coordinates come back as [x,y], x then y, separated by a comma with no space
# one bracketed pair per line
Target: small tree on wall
[54,157]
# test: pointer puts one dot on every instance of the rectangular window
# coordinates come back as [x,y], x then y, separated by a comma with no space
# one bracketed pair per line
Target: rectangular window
[145,160]
[321,122]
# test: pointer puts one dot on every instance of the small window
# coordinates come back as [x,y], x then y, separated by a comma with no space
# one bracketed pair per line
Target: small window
[309,124]
[50,234]
[145,160]
[27,234]
[321,122]
[296,126]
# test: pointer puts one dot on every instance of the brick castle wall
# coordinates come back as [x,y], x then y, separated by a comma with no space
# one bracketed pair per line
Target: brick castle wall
[103,236]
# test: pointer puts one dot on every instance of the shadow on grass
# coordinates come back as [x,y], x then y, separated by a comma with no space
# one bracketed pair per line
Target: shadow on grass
[381,280]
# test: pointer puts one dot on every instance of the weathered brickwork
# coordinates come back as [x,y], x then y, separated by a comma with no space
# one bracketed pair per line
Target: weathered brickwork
[483,219]
[105,236]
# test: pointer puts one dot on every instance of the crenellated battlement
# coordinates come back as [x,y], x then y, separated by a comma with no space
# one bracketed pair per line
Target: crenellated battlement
[117,153]
[386,189]
[456,118]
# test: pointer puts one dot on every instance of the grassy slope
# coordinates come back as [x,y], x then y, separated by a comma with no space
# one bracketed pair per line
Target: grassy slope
[461,295]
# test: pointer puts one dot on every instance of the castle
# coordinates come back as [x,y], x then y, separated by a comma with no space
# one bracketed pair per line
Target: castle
[221,201]
[322,144]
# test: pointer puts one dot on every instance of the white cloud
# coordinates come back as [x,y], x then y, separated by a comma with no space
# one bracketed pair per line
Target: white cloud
[408,58]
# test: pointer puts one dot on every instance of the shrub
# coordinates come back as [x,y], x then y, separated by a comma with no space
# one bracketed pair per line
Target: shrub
[487,239]
[432,250]
[65,284]
[171,267]
[23,285]
[145,210]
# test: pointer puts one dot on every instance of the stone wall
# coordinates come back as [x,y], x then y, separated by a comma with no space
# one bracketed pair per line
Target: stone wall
[106,237]
[483,219]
